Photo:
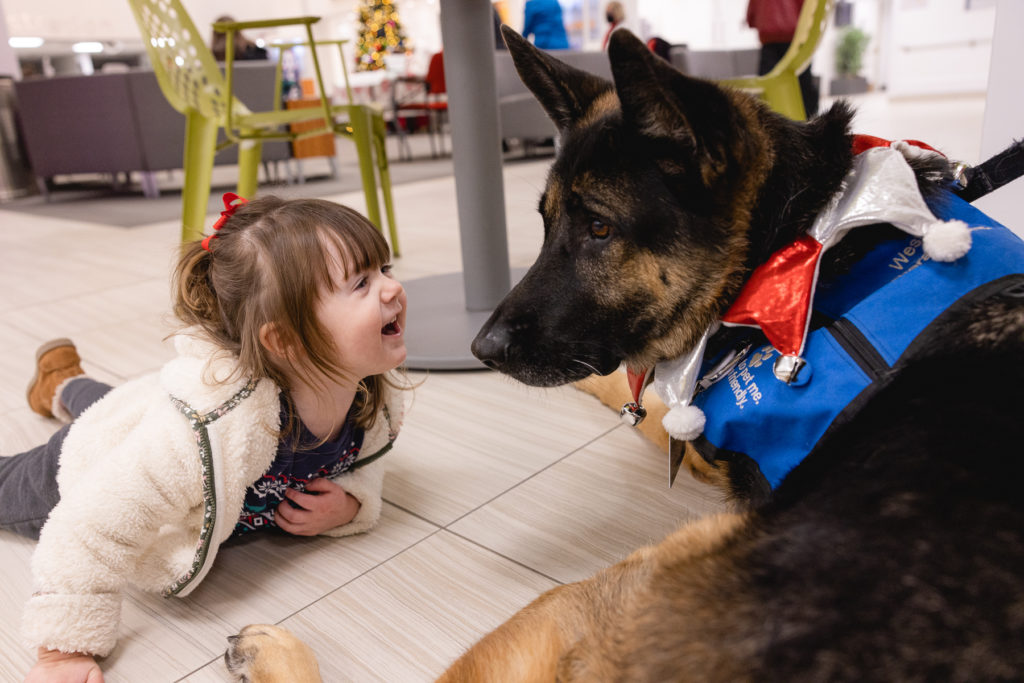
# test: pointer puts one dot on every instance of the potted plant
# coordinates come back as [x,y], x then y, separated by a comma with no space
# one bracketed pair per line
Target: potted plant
[849,59]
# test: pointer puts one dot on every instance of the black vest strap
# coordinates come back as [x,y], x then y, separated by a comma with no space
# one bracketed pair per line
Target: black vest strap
[992,174]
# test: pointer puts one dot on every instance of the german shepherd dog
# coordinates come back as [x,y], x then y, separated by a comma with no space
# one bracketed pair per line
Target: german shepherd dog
[895,550]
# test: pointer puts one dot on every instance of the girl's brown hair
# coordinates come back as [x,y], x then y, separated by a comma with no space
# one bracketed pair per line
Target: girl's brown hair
[268,265]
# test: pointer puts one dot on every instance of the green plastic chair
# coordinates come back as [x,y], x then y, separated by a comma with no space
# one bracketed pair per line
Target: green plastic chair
[192,82]
[780,87]
[319,43]
[350,112]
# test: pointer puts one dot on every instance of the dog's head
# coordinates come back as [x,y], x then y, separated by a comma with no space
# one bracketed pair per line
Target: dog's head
[647,214]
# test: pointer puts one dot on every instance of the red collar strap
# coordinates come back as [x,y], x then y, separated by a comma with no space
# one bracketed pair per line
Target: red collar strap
[633,412]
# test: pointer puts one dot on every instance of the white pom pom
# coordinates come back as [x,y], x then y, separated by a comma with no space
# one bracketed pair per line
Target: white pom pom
[947,240]
[684,423]
[911,152]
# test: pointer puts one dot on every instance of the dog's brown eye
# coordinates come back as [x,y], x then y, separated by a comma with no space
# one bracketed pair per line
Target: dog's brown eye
[600,230]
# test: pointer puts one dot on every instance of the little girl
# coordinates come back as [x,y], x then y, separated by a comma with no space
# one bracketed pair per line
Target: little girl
[274,414]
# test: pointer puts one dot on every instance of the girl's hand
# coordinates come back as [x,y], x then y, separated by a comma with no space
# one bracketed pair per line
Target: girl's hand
[53,666]
[326,507]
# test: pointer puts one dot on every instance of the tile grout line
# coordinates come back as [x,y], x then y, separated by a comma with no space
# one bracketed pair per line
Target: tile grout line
[445,527]
[535,474]
[504,557]
[439,529]
[330,592]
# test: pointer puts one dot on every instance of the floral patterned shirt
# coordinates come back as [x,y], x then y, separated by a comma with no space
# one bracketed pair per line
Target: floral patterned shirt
[296,464]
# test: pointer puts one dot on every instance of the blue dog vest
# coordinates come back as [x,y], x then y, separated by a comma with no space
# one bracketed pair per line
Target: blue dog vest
[872,315]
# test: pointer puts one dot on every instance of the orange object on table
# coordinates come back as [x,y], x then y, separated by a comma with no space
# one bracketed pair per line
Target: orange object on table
[317,146]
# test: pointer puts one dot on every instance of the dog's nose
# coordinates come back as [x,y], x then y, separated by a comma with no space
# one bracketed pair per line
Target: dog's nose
[491,346]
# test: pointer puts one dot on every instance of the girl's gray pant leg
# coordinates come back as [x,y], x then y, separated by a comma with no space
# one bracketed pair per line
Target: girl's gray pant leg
[80,393]
[28,481]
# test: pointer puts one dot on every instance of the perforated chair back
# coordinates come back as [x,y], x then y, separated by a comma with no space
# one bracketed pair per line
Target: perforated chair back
[780,87]
[191,80]
[809,29]
[185,68]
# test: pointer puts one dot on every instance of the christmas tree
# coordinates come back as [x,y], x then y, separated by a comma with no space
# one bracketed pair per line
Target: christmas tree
[380,32]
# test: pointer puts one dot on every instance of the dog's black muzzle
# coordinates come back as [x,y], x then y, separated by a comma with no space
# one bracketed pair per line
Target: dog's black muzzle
[519,348]
[491,346]
[546,332]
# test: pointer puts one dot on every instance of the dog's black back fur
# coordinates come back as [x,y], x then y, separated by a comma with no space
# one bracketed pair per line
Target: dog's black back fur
[895,551]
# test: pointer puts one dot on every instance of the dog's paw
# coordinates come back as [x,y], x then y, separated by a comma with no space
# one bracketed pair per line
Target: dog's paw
[263,653]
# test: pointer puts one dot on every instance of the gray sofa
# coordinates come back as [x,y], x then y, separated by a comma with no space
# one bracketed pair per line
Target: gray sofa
[524,119]
[121,123]
[520,114]
[715,64]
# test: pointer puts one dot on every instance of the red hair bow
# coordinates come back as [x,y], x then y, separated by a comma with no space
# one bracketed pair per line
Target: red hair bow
[231,203]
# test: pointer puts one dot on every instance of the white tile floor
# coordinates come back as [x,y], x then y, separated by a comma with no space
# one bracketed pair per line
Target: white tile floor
[497,493]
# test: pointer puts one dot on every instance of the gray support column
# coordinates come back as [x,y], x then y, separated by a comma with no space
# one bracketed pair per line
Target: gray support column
[446,311]
[468,36]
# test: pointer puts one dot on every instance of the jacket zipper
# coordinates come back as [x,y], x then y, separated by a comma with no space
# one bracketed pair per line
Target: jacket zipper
[860,349]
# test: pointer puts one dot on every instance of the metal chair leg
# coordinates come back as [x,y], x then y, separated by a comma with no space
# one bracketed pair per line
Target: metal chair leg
[249,153]
[380,139]
[362,134]
[150,189]
[404,150]
[200,143]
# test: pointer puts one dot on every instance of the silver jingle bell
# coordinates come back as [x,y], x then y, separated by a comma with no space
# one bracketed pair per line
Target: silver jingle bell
[632,413]
[792,370]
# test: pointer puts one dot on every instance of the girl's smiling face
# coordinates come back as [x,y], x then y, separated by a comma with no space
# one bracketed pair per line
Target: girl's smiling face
[364,315]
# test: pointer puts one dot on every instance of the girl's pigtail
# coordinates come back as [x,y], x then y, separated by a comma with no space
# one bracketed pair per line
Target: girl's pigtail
[195,301]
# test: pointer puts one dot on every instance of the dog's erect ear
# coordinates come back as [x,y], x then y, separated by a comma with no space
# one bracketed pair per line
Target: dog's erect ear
[565,92]
[660,102]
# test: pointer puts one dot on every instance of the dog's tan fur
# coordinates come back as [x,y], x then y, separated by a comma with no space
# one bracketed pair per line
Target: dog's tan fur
[575,632]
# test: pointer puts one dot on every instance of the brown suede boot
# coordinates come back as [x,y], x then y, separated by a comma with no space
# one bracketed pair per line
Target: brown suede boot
[56,361]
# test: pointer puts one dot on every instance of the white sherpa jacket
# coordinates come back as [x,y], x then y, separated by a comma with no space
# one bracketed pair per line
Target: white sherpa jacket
[139,505]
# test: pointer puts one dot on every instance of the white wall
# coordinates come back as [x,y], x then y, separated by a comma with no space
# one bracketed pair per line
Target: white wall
[939,46]
[917,46]
[1004,106]
[700,24]
[68,19]
[8,62]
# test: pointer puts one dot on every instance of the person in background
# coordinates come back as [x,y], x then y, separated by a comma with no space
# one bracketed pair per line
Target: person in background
[543,20]
[615,13]
[244,48]
[499,41]
[775,21]
[660,47]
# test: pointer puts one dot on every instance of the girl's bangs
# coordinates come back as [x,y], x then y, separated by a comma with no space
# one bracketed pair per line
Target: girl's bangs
[360,246]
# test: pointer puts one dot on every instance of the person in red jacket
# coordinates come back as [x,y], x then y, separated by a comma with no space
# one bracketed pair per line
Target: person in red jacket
[615,13]
[775,21]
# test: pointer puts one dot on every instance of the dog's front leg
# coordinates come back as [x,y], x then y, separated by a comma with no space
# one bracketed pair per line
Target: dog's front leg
[528,646]
[533,645]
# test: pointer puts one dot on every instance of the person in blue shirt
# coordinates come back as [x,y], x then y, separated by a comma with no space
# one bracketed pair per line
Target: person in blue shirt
[543,20]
